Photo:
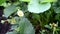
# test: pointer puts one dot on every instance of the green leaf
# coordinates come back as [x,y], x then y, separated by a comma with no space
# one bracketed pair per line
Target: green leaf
[26,27]
[2,1]
[44,1]
[9,10]
[57,10]
[57,17]
[37,7]
[25,0]
[11,32]
[14,26]
[47,26]
[5,4]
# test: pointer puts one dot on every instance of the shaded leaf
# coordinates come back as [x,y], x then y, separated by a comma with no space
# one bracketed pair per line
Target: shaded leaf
[26,27]
[9,10]
[57,10]
[36,16]
[11,32]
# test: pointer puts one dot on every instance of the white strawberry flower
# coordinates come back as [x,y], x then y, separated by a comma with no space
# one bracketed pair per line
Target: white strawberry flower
[20,13]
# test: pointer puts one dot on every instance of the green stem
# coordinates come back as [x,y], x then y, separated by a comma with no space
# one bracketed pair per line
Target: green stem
[53,31]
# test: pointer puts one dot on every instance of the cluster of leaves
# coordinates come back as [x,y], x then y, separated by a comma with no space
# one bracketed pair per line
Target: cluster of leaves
[38,12]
